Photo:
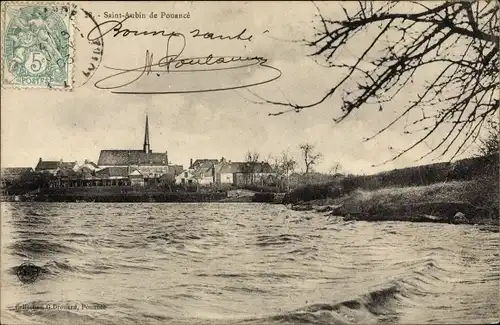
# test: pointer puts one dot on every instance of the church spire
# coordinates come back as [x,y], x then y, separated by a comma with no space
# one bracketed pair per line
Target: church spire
[146,137]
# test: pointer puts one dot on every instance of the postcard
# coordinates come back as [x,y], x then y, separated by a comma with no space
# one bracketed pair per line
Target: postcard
[191,162]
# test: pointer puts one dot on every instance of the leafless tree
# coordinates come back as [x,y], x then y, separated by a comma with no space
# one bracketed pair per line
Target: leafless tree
[489,144]
[251,160]
[287,163]
[457,41]
[311,158]
[283,166]
[252,156]
[287,166]
[336,167]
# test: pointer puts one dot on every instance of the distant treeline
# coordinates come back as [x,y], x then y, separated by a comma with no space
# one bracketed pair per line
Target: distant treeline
[486,167]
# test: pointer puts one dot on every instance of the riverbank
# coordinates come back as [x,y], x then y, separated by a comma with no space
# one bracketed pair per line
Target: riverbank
[465,191]
[460,202]
[119,194]
[129,194]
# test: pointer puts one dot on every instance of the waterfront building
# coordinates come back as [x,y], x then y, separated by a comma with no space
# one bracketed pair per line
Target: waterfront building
[52,167]
[243,173]
[151,165]
[11,175]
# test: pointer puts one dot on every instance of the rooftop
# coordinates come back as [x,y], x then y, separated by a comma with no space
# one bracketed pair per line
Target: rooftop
[131,157]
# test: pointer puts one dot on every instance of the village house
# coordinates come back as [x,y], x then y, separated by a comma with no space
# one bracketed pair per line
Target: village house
[88,166]
[51,167]
[187,177]
[224,171]
[204,163]
[114,176]
[254,173]
[67,174]
[204,170]
[86,172]
[200,172]
[57,173]
[11,175]
[136,178]
[66,177]
[175,169]
[243,173]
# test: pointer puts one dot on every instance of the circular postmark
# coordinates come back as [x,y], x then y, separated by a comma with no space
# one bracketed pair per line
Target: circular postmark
[90,52]
[27,272]
[36,47]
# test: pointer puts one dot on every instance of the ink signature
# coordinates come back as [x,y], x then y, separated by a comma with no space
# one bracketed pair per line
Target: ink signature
[170,64]
[163,75]
[117,27]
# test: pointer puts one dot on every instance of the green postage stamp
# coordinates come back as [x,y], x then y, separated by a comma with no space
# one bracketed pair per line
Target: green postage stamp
[37,46]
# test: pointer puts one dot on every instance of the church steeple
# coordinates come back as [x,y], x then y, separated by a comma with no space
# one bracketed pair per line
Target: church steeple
[146,147]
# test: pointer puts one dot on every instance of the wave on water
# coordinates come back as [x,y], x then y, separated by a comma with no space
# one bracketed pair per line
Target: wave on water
[379,305]
[41,247]
[32,221]
[173,238]
[282,239]
[373,307]
[55,268]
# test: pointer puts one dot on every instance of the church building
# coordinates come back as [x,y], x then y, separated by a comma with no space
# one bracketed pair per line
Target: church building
[152,165]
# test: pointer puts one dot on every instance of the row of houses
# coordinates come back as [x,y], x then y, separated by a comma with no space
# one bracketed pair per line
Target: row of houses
[141,167]
[70,174]
[213,171]
[200,172]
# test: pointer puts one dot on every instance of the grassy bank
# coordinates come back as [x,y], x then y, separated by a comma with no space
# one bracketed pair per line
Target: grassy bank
[469,187]
[434,203]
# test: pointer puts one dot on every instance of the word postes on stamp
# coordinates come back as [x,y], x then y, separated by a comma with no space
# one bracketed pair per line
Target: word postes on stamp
[37,45]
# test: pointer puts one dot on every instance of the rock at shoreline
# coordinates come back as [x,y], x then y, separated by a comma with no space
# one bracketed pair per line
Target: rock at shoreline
[302,207]
[459,217]
[435,212]
[325,208]
[333,209]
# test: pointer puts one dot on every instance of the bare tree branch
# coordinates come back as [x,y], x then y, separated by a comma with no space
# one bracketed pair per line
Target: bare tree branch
[456,41]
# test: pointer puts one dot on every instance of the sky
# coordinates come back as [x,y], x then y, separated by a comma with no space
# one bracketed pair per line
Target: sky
[75,125]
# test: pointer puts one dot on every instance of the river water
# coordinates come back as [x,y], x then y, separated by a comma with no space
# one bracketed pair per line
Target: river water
[222,263]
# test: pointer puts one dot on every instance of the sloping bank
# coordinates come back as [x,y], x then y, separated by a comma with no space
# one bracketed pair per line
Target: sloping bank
[464,202]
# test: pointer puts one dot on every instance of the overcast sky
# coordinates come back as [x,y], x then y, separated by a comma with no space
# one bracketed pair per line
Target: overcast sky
[76,125]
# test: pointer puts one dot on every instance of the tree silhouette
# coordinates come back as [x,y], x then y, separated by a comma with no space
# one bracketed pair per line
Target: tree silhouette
[336,168]
[249,168]
[490,143]
[286,166]
[311,158]
[457,41]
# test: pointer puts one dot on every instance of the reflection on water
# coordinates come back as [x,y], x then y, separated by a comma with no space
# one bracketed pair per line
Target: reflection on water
[217,263]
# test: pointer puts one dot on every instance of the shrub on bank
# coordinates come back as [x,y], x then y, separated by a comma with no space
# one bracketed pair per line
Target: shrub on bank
[259,188]
[263,197]
[483,171]
[313,192]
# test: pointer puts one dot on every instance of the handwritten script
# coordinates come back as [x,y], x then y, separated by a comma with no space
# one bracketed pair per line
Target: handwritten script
[170,73]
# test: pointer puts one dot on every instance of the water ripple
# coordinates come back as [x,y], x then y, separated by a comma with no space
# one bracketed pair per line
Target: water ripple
[242,263]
